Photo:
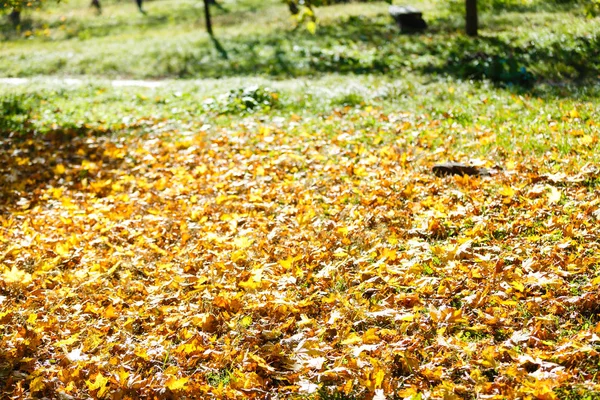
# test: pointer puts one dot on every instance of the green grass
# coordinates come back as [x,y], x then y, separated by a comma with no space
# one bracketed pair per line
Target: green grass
[255,38]
[476,120]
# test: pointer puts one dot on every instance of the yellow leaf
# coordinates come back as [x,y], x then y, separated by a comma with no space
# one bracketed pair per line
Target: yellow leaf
[542,389]
[246,321]
[405,317]
[157,249]
[255,198]
[288,262]
[59,169]
[343,230]
[89,165]
[518,286]
[507,191]
[99,382]
[68,341]
[340,253]
[31,319]
[37,384]
[434,374]
[238,255]
[250,284]
[379,377]
[201,169]
[348,386]
[142,353]
[311,26]
[353,338]
[305,320]
[56,192]
[389,254]
[554,195]
[110,313]
[177,384]
[15,275]
[370,336]
[62,249]
[488,354]
[123,375]
[260,362]
[586,140]
[576,132]
[242,242]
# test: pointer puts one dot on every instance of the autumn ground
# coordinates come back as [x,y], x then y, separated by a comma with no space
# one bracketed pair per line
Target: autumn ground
[257,238]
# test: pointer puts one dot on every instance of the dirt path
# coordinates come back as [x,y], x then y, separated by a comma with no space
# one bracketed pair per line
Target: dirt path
[77,82]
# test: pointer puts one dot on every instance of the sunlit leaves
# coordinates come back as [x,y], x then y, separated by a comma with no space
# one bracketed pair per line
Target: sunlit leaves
[177,384]
[98,384]
[295,259]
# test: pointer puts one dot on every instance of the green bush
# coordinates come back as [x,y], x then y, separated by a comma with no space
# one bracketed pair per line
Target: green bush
[15,113]
[458,6]
[504,69]
[243,101]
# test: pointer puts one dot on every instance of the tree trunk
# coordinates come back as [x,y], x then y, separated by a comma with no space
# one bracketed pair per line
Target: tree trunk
[293,8]
[471,17]
[96,4]
[15,17]
[207,17]
[139,4]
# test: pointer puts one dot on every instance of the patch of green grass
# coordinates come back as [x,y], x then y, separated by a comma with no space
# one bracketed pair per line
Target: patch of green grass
[243,101]
[255,38]
[474,336]
[480,120]
[348,100]
[576,393]
[219,378]
[325,393]
[15,112]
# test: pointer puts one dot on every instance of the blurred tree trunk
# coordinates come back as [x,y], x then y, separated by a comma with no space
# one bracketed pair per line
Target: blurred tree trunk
[15,17]
[293,8]
[471,17]
[96,4]
[139,4]
[207,17]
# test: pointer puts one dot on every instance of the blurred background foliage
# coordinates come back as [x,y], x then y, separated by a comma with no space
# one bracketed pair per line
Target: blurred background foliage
[521,42]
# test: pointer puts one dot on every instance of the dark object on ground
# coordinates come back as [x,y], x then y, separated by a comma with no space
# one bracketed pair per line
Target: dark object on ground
[15,17]
[96,4]
[453,168]
[408,18]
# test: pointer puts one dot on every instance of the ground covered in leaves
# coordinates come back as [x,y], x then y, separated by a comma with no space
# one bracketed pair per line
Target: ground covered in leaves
[294,259]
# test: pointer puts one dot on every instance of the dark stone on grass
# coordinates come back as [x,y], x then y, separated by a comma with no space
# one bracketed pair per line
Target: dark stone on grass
[408,18]
[453,168]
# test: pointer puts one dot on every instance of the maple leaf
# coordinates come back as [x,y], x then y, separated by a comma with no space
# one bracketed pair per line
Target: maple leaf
[99,384]
[175,384]
[16,276]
